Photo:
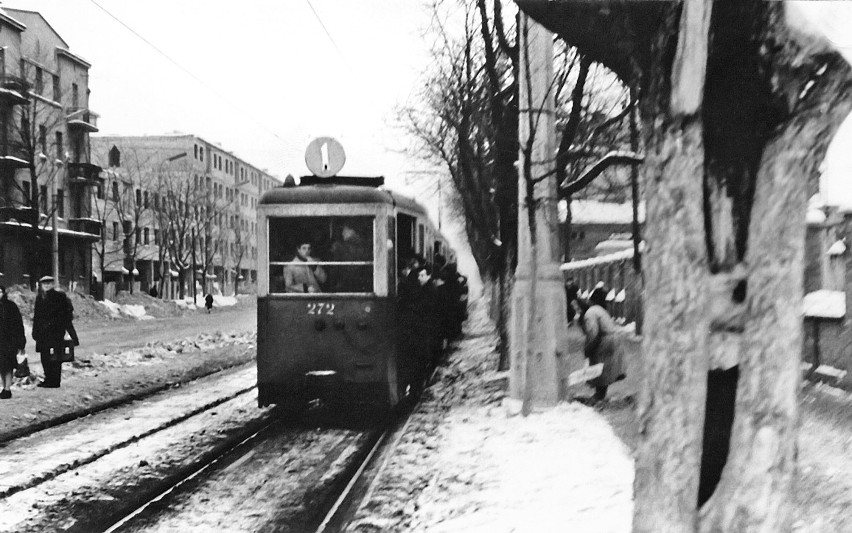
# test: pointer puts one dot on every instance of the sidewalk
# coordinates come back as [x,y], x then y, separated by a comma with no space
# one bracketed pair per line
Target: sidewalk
[117,362]
[466,462]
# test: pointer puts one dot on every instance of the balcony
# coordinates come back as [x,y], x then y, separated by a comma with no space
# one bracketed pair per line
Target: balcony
[82,119]
[13,90]
[91,226]
[13,155]
[82,173]
[24,215]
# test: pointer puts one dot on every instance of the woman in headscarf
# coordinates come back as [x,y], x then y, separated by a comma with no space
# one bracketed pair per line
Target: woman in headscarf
[12,341]
[602,344]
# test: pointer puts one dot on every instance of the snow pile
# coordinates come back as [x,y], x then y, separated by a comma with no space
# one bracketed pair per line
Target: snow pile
[825,304]
[129,310]
[559,470]
[224,301]
[198,302]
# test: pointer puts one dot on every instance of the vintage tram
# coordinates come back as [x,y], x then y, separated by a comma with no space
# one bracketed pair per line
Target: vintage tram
[329,254]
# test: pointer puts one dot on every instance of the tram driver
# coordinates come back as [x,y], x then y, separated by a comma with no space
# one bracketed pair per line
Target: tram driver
[303,278]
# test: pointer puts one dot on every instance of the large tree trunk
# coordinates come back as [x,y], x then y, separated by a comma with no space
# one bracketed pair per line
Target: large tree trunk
[726,208]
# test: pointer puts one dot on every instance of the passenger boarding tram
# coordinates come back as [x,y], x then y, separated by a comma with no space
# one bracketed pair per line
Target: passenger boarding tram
[329,253]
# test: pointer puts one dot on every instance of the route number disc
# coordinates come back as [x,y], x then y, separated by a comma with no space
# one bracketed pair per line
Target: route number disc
[325,157]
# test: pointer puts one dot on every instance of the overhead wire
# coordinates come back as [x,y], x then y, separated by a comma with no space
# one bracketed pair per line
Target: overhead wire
[188,72]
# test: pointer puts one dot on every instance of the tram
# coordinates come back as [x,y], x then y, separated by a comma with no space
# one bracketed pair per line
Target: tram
[329,253]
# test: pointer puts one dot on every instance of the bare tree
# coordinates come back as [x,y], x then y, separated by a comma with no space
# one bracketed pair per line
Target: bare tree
[103,209]
[34,133]
[467,121]
[177,195]
[130,198]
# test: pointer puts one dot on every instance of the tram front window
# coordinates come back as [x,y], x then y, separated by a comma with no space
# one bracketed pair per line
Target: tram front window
[321,255]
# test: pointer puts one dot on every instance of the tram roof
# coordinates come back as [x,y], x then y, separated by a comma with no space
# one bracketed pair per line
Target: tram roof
[338,194]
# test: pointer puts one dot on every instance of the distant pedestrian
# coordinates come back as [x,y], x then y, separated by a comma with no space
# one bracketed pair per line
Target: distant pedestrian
[12,341]
[52,319]
[208,302]
[602,345]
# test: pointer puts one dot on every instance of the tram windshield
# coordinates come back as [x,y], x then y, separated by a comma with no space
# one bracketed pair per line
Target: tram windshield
[321,255]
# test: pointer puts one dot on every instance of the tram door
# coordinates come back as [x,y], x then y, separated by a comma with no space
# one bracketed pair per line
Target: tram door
[405,239]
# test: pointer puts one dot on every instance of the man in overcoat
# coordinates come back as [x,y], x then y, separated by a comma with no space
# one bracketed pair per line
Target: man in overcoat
[52,318]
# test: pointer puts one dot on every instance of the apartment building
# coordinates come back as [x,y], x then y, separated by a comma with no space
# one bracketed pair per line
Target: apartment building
[46,173]
[173,205]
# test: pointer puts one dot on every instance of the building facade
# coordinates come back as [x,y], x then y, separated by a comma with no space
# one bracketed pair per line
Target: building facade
[46,172]
[174,205]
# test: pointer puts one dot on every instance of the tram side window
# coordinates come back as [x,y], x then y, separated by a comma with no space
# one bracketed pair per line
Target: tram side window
[321,254]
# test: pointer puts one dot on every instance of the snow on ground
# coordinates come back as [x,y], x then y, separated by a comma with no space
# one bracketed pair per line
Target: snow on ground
[558,470]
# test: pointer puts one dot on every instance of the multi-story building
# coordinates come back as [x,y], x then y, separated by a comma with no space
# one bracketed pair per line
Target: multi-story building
[46,173]
[173,201]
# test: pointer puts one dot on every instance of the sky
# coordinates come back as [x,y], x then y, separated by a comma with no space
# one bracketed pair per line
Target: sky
[261,78]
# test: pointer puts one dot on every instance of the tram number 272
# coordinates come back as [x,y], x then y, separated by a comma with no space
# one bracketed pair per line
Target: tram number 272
[320,309]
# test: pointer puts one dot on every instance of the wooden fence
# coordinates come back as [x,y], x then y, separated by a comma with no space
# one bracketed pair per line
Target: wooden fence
[616,273]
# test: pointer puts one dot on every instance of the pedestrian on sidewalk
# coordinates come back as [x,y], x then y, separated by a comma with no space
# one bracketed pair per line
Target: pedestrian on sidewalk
[208,302]
[602,345]
[52,318]
[12,341]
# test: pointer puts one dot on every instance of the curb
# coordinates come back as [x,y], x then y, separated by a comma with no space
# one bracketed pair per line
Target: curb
[124,399]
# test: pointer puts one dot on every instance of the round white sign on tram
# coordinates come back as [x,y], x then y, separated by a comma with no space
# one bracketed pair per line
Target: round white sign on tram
[325,157]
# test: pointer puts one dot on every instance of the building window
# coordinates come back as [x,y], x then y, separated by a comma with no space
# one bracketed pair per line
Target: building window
[56,92]
[42,138]
[156,202]
[145,236]
[42,200]
[195,151]
[39,81]
[201,153]
[138,235]
[75,95]
[115,231]
[60,203]
[138,197]
[116,197]
[2,61]
[60,148]
[100,192]
[114,157]
[25,185]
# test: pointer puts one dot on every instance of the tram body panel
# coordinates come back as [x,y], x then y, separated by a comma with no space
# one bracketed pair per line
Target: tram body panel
[306,345]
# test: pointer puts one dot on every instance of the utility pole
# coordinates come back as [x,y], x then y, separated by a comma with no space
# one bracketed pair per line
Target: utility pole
[55,242]
[539,357]
[194,299]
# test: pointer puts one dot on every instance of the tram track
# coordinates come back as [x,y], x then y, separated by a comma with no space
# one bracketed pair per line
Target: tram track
[179,472]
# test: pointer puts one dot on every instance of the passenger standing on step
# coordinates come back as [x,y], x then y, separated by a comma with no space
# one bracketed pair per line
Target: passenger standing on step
[52,318]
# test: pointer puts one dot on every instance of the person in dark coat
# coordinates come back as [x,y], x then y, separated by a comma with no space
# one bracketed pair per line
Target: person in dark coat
[425,330]
[602,344]
[12,341]
[52,318]
[208,302]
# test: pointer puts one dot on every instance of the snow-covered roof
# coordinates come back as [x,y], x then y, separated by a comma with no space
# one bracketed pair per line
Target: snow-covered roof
[838,248]
[816,216]
[595,212]
[825,304]
[613,245]
[602,260]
